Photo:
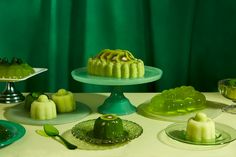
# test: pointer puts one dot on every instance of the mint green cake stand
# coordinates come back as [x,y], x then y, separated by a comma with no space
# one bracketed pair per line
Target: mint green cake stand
[116,103]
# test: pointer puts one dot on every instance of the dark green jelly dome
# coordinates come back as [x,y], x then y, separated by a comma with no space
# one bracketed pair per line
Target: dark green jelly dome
[108,127]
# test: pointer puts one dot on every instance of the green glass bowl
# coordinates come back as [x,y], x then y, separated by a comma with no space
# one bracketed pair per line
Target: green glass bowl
[227,88]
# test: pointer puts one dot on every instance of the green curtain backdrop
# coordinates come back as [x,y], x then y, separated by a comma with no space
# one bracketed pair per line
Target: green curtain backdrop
[192,41]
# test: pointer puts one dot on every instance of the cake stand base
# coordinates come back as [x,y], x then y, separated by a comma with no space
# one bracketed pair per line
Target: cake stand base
[117,103]
[10,94]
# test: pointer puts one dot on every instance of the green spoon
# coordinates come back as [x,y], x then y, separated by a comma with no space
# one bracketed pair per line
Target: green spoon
[50,130]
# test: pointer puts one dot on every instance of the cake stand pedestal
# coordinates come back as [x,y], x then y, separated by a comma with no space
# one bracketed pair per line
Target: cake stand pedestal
[10,93]
[116,103]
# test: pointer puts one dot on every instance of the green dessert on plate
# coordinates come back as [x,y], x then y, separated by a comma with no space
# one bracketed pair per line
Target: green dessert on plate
[177,101]
[106,130]
[116,63]
[108,127]
[43,108]
[4,133]
[30,98]
[64,100]
[16,69]
[200,128]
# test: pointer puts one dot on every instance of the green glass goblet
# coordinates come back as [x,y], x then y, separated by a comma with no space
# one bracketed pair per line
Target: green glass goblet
[227,88]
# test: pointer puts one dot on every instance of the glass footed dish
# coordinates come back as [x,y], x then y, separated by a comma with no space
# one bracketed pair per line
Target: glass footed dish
[10,93]
[227,88]
[84,131]
[224,134]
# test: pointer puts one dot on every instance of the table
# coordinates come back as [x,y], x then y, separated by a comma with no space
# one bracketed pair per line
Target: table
[149,144]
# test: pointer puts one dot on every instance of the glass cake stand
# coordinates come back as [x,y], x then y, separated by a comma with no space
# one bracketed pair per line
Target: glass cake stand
[116,103]
[10,94]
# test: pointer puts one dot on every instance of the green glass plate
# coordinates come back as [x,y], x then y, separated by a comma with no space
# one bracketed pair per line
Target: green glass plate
[212,109]
[20,115]
[84,131]
[16,131]
[151,74]
[224,134]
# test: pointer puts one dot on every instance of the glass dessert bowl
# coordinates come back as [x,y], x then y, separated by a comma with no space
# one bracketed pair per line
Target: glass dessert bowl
[227,88]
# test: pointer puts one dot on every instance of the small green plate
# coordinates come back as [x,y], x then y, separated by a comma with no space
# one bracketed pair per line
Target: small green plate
[84,131]
[224,134]
[16,132]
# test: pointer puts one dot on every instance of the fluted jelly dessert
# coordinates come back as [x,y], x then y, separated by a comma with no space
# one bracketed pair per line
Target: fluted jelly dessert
[116,63]
[176,101]
[64,100]
[200,128]
[108,127]
[30,98]
[43,108]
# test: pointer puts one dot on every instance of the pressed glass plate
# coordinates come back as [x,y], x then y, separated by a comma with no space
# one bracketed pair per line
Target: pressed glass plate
[224,134]
[84,131]
[16,132]
[83,145]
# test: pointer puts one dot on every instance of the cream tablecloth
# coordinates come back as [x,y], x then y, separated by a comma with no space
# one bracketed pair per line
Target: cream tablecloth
[152,143]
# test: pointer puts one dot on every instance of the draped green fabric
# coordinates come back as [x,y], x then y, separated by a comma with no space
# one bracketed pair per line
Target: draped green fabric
[192,41]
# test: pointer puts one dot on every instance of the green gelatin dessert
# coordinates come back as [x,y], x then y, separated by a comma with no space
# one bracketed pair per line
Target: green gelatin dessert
[116,63]
[16,69]
[177,101]
[30,98]
[4,64]
[64,100]
[4,133]
[108,127]
[43,108]
[200,128]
